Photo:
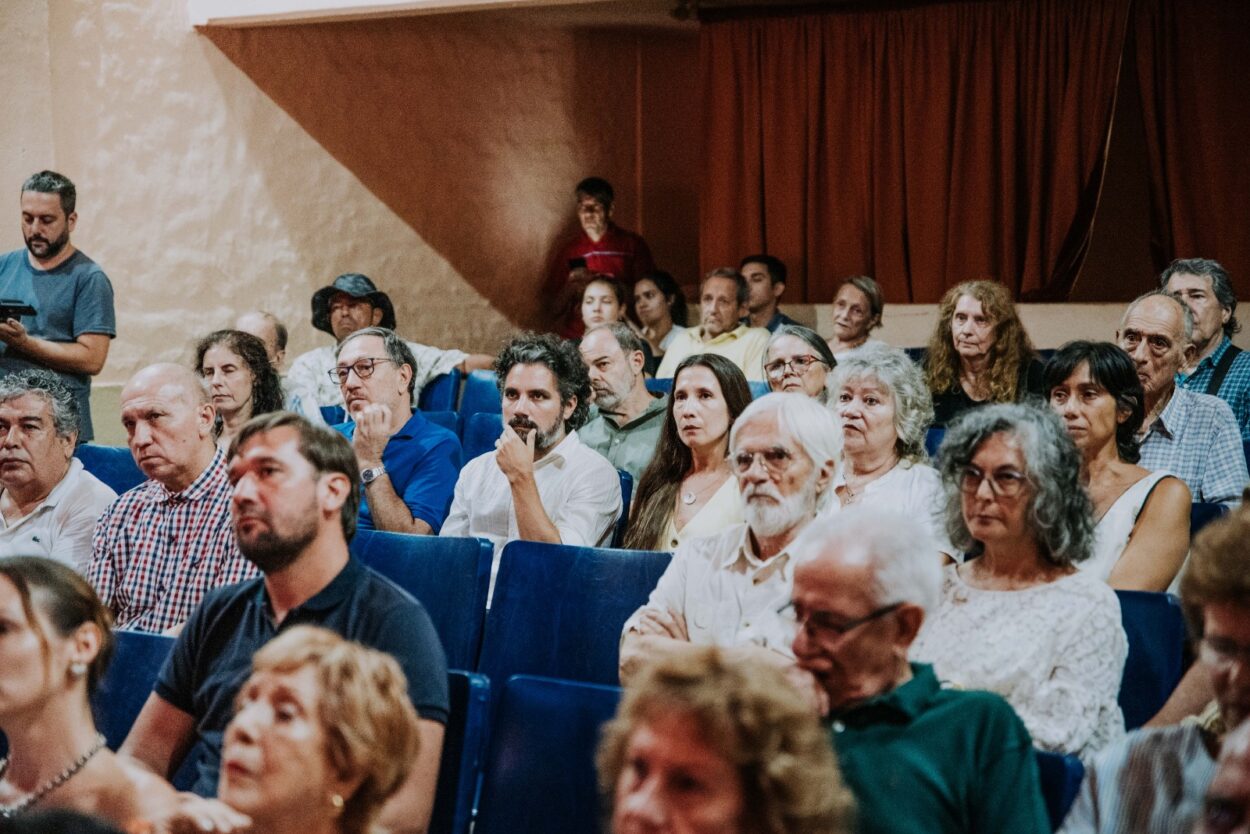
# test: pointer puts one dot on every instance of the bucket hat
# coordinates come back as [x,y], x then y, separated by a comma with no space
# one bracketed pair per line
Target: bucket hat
[357,286]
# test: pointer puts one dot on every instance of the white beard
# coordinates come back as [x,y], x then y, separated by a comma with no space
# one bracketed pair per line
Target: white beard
[770,518]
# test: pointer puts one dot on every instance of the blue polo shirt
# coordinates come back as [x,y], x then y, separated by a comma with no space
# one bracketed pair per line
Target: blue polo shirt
[423,463]
[212,657]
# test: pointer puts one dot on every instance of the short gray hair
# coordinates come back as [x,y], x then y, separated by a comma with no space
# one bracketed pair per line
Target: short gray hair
[1221,285]
[802,418]
[48,387]
[1060,514]
[913,403]
[903,569]
[1187,315]
[624,335]
[396,350]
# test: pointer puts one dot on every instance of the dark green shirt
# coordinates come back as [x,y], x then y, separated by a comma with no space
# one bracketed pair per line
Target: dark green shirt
[631,446]
[927,760]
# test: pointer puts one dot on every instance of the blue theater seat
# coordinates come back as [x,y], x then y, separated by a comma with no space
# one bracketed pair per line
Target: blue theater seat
[933,440]
[447,419]
[481,393]
[464,745]
[1061,779]
[1200,515]
[660,386]
[1156,653]
[479,432]
[441,392]
[114,465]
[627,494]
[758,389]
[137,660]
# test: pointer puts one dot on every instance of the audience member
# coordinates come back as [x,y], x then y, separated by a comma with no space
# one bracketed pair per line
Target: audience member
[162,545]
[408,465]
[688,489]
[323,733]
[1191,435]
[1017,618]
[294,505]
[270,330]
[1217,367]
[1226,807]
[541,483]
[728,588]
[241,380]
[766,282]
[1153,780]
[857,308]
[604,301]
[797,361]
[627,428]
[661,310]
[710,743]
[352,303]
[980,352]
[49,504]
[916,756]
[722,300]
[70,298]
[883,409]
[1142,530]
[57,643]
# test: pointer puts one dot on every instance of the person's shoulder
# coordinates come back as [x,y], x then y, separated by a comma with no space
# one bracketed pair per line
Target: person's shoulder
[980,710]
[316,357]
[1089,588]
[754,334]
[12,260]
[90,488]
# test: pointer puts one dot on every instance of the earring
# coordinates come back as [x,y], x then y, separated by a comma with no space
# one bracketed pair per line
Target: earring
[78,668]
[337,801]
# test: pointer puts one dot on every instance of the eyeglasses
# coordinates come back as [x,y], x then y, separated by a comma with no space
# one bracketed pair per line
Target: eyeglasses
[1221,653]
[363,368]
[798,364]
[1005,483]
[822,627]
[776,460]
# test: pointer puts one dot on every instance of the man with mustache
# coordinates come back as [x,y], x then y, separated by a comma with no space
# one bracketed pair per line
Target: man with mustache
[73,321]
[722,304]
[541,483]
[730,589]
[627,429]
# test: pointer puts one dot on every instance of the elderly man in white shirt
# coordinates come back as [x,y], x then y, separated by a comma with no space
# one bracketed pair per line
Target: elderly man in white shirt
[540,484]
[731,589]
[49,504]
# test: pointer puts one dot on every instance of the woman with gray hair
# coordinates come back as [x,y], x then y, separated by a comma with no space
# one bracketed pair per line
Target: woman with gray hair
[883,407]
[797,361]
[1017,617]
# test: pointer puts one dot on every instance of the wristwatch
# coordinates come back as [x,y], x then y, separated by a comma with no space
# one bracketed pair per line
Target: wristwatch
[368,476]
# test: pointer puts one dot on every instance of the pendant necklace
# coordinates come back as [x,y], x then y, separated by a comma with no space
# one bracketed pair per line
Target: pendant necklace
[689,497]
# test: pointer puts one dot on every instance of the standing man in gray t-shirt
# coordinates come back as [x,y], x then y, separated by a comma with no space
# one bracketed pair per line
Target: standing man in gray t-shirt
[72,298]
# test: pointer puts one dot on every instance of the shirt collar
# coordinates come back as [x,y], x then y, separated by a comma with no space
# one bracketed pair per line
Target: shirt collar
[328,598]
[413,427]
[561,453]
[63,486]
[901,704]
[727,336]
[201,486]
[656,406]
[744,554]
[1173,414]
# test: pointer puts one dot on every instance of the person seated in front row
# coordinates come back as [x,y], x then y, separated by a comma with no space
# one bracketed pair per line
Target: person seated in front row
[1142,530]
[323,734]
[294,503]
[797,360]
[706,742]
[240,379]
[408,465]
[857,309]
[162,545]
[57,641]
[1152,781]
[722,302]
[727,589]
[916,756]
[49,504]
[688,489]
[1017,617]
[627,428]
[883,409]
[1226,807]
[979,352]
[541,483]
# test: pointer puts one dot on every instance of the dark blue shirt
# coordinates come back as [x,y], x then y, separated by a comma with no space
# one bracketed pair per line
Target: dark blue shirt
[779,318]
[212,657]
[423,462]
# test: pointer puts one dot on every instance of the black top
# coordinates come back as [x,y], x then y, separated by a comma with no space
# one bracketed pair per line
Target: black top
[212,657]
[950,404]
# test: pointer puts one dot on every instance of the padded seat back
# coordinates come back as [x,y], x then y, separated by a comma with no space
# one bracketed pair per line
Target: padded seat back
[114,465]
[441,392]
[1061,779]
[463,753]
[128,681]
[1156,653]
[481,393]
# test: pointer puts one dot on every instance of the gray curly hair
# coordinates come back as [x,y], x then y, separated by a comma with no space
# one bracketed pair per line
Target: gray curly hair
[48,387]
[913,403]
[1060,513]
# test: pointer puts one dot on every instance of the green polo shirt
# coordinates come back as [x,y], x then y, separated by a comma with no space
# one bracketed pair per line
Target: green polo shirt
[927,760]
[631,446]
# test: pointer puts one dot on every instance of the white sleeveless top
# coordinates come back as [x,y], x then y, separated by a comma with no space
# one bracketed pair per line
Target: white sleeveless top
[1114,529]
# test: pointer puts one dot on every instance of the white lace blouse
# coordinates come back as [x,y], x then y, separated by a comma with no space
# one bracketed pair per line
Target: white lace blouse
[1056,652]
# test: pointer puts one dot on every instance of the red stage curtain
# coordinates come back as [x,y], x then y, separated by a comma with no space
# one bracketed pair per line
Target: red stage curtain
[922,145]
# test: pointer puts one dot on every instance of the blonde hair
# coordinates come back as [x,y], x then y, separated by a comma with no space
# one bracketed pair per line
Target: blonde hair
[1010,351]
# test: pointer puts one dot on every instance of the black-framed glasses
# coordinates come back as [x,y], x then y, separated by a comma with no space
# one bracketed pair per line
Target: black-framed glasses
[363,368]
[776,369]
[776,460]
[822,625]
[1004,483]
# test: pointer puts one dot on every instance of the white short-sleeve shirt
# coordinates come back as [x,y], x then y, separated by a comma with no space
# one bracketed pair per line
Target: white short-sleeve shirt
[60,528]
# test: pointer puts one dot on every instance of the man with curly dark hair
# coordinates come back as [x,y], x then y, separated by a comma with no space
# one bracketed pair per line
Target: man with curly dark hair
[541,483]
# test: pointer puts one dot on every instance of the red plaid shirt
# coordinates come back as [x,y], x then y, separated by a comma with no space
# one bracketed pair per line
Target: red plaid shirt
[155,553]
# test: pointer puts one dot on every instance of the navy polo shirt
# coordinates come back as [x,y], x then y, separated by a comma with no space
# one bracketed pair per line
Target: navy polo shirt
[212,657]
[423,463]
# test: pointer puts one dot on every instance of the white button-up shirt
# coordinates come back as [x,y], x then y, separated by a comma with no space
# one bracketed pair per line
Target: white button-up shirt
[60,528]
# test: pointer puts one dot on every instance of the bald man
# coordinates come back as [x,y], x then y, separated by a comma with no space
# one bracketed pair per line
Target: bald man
[159,547]
[270,330]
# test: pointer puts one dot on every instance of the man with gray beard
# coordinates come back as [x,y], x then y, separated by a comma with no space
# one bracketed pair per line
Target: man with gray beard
[627,429]
[731,589]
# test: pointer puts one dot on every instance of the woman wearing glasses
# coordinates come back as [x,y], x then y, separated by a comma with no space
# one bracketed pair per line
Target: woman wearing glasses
[1017,617]
[797,360]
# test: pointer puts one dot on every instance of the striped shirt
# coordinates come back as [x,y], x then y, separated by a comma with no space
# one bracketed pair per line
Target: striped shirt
[155,553]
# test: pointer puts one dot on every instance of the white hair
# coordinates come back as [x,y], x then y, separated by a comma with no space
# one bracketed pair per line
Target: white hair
[802,418]
[903,558]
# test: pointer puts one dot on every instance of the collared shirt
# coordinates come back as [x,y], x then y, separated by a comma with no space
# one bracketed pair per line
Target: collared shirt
[744,346]
[155,553]
[1196,439]
[1150,782]
[1234,390]
[727,595]
[60,527]
[914,489]
[212,657]
[309,385]
[422,461]
[779,318]
[631,446]
[926,760]
[580,492]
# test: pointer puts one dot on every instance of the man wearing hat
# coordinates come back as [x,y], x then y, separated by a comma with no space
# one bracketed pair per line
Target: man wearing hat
[352,303]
